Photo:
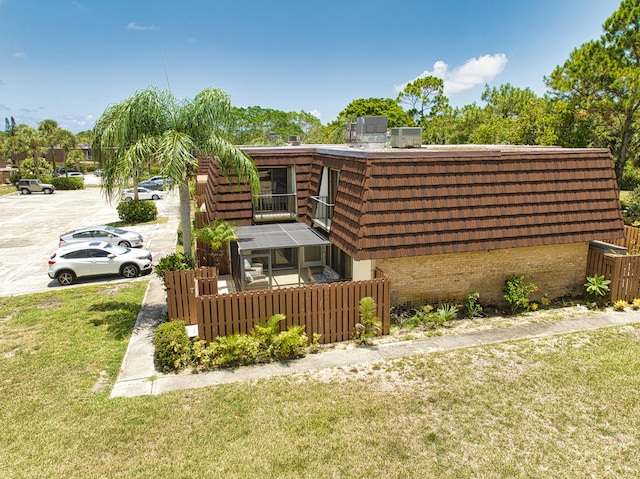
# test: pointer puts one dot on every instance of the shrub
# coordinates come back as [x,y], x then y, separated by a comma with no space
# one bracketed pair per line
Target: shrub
[635,304]
[472,308]
[235,349]
[172,346]
[137,211]
[369,324]
[64,183]
[630,178]
[446,312]
[620,305]
[517,293]
[173,262]
[289,344]
[597,287]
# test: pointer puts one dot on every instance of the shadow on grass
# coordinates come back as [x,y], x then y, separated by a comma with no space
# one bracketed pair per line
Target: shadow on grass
[118,317]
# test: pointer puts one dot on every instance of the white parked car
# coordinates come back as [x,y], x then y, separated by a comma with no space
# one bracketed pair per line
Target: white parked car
[97,258]
[143,194]
[108,234]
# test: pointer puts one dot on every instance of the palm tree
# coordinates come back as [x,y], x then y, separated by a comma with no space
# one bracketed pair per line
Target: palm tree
[152,124]
[31,140]
[217,235]
[56,136]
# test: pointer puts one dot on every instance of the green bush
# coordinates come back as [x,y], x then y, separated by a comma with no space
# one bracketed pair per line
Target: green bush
[369,324]
[289,344]
[630,179]
[137,211]
[13,179]
[517,293]
[173,262]
[471,305]
[234,350]
[172,346]
[64,183]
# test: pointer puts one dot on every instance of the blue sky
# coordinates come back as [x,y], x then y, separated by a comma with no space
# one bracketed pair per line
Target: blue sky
[68,60]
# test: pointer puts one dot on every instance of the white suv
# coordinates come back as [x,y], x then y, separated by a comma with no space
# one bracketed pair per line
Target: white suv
[97,258]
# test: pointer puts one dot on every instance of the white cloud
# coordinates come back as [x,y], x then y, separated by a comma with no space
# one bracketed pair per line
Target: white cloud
[145,28]
[18,54]
[316,113]
[474,72]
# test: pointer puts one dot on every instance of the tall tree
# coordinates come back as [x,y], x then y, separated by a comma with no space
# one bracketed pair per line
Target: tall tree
[153,124]
[31,141]
[602,79]
[56,137]
[424,97]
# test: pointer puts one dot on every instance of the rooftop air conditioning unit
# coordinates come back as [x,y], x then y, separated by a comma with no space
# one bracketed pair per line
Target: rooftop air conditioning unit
[295,140]
[406,137]
[371,130]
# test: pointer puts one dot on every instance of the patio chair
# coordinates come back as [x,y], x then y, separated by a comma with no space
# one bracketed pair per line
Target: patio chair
[253,267]
[255,281]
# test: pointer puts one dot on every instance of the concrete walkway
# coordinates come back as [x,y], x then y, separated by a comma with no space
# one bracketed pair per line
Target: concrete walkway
[138,375]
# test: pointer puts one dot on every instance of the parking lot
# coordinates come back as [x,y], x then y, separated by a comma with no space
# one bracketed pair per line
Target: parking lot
[32,224]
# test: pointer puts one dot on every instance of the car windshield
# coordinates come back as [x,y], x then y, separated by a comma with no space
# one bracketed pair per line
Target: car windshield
[111,229]
[114,248]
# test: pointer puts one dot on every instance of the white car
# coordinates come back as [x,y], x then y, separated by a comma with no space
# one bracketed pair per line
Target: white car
[143,194]
[107,233]
[97,258]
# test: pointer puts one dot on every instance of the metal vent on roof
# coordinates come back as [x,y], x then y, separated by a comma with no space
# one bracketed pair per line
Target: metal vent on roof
[406,137]
[371,131]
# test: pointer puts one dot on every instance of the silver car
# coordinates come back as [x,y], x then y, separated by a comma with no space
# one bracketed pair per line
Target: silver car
[97,258]
[108,234]
[143,194]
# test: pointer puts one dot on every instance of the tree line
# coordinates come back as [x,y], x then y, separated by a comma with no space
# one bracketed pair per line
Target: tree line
[592,101]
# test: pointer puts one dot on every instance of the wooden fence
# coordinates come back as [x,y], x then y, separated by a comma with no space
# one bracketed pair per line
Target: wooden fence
[631,239]
[622,270]
[331,310]
[181,303]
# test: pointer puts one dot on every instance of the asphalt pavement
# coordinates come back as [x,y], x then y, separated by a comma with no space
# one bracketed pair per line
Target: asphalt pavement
[32,224]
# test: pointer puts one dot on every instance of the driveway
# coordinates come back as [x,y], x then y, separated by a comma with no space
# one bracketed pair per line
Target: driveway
[32,224]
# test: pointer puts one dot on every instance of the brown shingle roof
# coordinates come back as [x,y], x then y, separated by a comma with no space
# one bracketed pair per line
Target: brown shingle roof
[393,203]
[450,201]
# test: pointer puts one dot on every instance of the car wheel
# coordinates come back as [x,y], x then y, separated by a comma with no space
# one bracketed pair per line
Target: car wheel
[24,191]
[129,271]
[155,197]
[124,244]
[47,191]
[66,277]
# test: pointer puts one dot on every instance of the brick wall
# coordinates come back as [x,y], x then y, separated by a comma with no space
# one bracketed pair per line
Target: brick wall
[558,270]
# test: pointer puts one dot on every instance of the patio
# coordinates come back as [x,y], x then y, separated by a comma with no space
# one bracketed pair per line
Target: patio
[270,256]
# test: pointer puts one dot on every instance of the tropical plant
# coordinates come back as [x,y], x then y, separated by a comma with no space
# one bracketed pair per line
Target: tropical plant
[217,235]
[471,305]
[369,325]
[152,124]
[173,262]
[620,305]
[517,293]
[597,287]
[446,313]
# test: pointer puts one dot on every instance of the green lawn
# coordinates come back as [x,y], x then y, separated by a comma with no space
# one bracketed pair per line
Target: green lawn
[567,406]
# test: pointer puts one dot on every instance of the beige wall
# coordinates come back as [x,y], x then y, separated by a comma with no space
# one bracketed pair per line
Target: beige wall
[558,270]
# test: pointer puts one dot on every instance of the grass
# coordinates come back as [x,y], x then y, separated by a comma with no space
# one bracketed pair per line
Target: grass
[7,189]
[565,406]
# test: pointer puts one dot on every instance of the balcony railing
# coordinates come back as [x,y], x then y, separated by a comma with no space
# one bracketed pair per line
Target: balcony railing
[322,211]
[276,207]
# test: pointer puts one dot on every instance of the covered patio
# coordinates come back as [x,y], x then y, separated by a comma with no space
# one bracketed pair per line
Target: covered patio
[268,256]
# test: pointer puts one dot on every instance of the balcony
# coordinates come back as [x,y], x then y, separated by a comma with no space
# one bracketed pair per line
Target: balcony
[274,207]
[322,212]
